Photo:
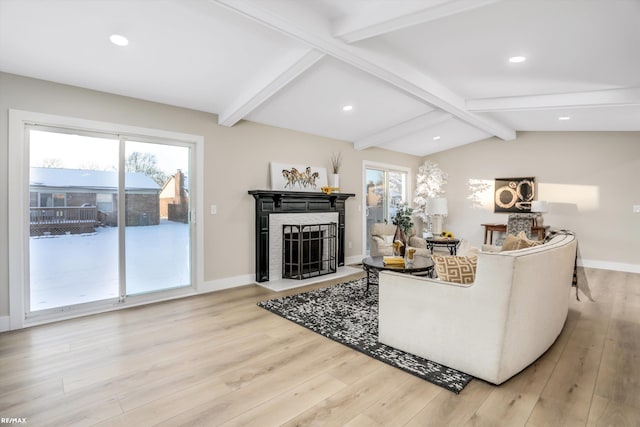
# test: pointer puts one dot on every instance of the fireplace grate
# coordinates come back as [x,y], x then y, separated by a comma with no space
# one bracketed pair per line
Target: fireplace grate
[309,250]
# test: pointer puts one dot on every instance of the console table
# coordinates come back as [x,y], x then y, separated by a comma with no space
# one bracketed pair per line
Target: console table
[502,228]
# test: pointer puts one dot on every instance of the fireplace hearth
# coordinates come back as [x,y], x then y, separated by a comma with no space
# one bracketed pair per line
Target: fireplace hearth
[308,250]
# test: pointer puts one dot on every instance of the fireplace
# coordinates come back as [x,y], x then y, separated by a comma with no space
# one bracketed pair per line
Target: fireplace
[308,250]
[275,208]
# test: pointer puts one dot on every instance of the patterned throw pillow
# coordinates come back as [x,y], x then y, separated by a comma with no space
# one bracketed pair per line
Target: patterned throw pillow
[520,241]
[456,269]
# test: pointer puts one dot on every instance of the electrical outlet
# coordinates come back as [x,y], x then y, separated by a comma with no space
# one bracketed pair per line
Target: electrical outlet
[636,208]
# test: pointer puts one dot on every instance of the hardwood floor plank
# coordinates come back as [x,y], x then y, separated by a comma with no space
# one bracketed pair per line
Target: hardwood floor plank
[347,404]
[170,404]
[399,405]
[449,409]
[287,405]
[619,376]
[571,386]
[218,358]
[607,413]
[253,385]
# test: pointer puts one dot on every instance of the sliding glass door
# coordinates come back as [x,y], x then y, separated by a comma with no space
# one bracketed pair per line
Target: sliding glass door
[83,248]
[157,234]
[73,244]
[385,188]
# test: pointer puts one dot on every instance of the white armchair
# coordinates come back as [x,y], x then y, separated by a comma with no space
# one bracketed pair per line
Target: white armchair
[381,241]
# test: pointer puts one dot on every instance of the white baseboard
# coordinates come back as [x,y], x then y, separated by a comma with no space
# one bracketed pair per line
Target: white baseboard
[609,265]
[5,323]
[226,283]
[357,259]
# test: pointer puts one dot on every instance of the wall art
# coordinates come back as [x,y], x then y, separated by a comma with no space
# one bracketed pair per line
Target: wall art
[285,176]
[514,194]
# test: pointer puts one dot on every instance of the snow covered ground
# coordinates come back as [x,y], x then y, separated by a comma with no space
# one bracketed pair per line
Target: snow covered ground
[80,268]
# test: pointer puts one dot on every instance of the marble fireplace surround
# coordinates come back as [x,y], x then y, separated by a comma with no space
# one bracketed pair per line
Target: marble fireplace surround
[276,221]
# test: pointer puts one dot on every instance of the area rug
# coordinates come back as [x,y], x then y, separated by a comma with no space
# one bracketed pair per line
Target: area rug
[346,313]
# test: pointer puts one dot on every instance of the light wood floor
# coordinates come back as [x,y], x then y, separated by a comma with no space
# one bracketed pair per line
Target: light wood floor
[218,359]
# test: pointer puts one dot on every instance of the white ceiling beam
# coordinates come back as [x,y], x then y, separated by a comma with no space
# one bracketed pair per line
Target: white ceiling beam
[404,77]
[591,99]
[269,84]
[356,28]
[409,127]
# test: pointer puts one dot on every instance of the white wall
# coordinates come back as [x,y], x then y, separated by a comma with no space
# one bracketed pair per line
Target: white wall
[236,160]
[590,179]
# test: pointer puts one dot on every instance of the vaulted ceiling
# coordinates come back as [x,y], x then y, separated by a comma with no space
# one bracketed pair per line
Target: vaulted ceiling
[421,76]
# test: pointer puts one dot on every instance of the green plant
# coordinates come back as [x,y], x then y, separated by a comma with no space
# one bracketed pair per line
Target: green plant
[403,218]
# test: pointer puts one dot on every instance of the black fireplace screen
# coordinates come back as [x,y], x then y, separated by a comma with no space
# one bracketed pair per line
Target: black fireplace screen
[309,250]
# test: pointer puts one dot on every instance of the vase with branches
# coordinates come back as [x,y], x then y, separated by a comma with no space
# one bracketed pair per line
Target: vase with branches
[336,162]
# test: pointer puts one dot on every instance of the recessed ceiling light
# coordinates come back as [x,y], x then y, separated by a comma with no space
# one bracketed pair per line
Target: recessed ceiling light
[564,118]
[347,108]
[119,40]
[517,59]
[435,138]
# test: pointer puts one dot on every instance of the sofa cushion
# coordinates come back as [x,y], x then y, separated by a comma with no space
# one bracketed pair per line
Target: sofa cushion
[519,241]
[465,248]
[456,269]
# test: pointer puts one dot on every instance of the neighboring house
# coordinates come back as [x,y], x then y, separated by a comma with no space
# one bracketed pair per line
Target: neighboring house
[76,200]
[174,199]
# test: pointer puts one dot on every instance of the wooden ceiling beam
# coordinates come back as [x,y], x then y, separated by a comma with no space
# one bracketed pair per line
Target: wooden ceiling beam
[400,130]
[411,81]
[377,22]
[269,83]
[590,99]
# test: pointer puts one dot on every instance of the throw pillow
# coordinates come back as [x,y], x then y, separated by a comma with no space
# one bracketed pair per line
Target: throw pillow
[520,241]
[456,269]
[388,239]
[467,249]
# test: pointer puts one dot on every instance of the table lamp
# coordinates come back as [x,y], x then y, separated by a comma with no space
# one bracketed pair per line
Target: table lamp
[436,207]
[538,207]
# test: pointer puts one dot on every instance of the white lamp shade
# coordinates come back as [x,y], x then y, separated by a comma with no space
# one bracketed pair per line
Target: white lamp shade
[436,206]
[538,206]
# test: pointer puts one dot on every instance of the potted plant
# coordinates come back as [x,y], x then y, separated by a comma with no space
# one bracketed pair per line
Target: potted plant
[403,222]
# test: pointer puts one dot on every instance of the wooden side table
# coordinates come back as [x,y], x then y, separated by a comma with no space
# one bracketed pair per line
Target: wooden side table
[502,228]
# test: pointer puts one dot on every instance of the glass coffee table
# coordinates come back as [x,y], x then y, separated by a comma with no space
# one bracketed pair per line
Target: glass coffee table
[374,264]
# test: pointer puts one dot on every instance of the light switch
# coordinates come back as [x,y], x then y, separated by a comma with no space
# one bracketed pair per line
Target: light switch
[636,208]
[214,209]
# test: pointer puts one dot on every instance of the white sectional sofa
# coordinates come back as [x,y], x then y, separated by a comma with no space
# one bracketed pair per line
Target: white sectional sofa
[491,329]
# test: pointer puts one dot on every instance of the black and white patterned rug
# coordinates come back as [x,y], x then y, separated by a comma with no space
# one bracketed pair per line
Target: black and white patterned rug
[347,314]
